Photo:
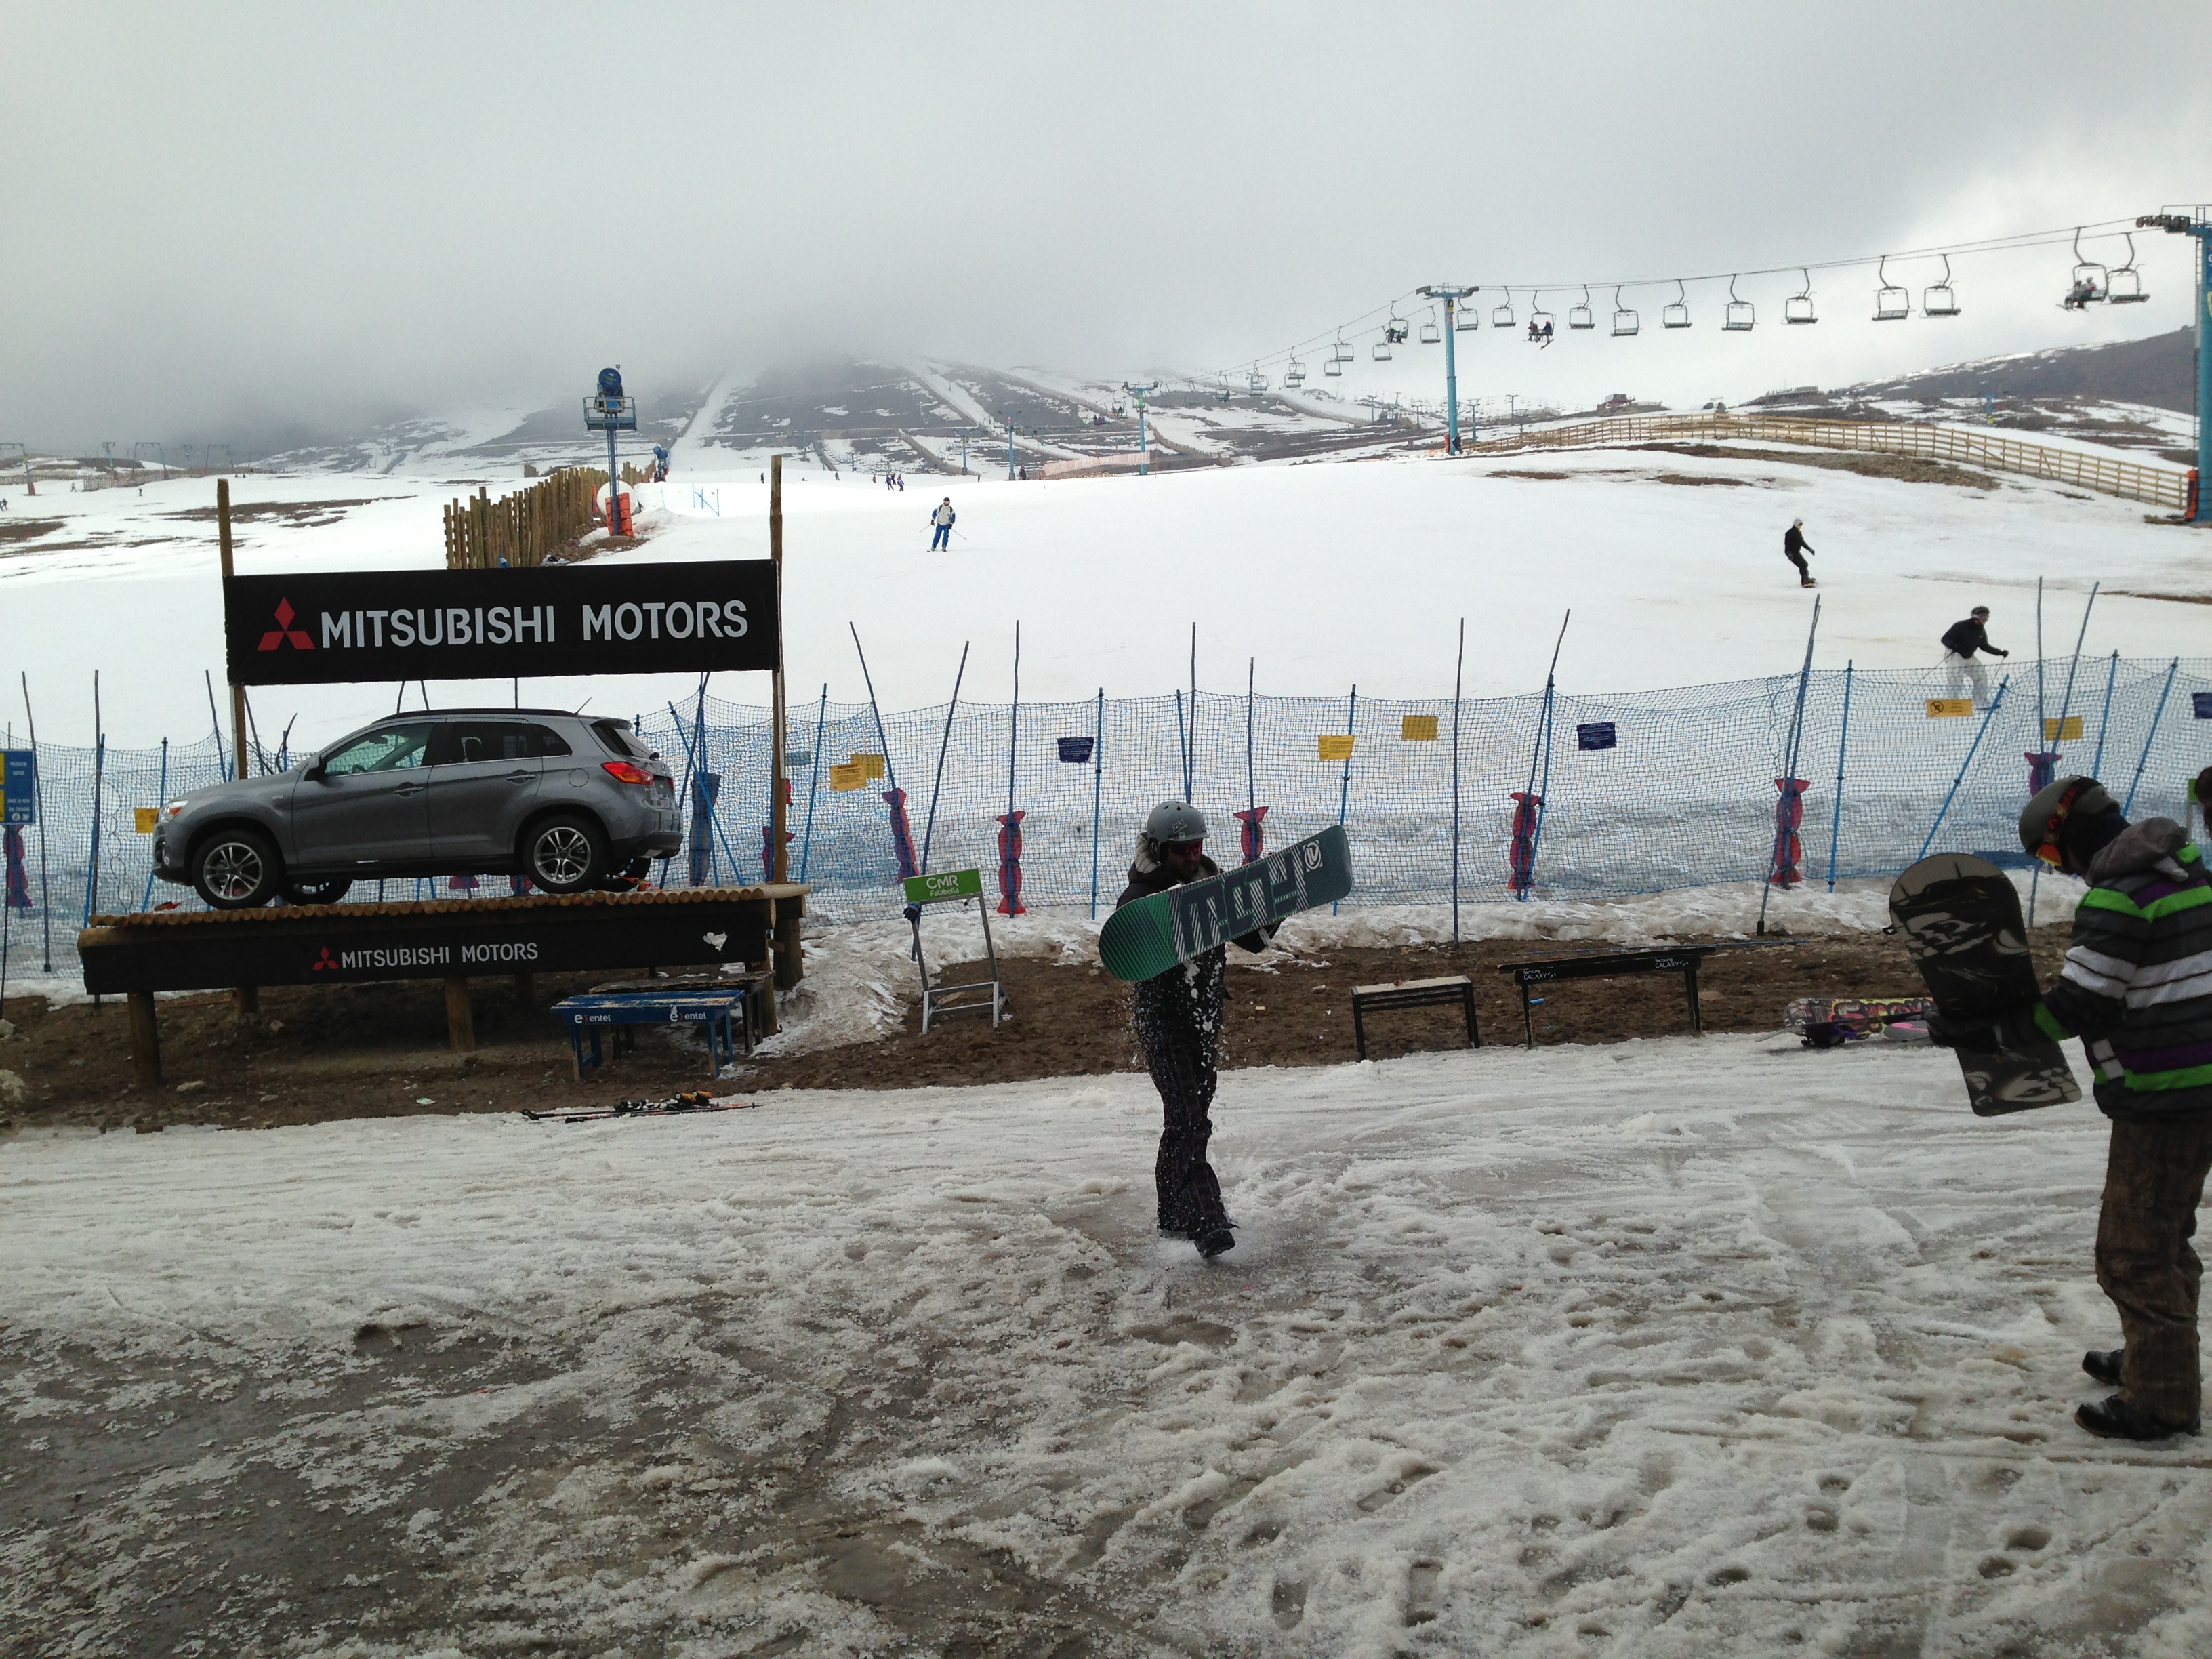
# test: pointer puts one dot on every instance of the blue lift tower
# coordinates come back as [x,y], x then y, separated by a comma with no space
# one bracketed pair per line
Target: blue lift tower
[2200,227]
[1451,297]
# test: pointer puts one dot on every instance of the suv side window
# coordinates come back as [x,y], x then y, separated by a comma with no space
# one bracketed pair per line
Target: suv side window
[619,739]
[546,742]
[468,742]
[387,749]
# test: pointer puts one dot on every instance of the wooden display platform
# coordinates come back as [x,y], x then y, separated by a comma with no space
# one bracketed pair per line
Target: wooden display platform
[452,940]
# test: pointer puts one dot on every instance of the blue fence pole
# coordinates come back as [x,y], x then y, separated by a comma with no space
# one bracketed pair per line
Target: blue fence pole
[813,776]
[1995,703]
[2104,718]
[1842,740]
[1097,793]
[2150,737]
[1344,793]
[1459,667]
[160,800]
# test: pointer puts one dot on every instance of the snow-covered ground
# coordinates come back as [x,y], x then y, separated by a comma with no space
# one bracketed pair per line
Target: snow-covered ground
[1326,574]
[1674,1347]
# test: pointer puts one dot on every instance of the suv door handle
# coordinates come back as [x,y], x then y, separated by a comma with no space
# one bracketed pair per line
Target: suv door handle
[521,776]
[406,789]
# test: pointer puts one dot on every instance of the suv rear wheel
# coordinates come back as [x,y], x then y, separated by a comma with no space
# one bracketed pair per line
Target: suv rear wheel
[566,853]
[237,869]
[318,892]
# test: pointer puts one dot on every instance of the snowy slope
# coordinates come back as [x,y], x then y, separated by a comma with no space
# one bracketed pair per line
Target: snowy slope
[1329,575]
[1669,1348]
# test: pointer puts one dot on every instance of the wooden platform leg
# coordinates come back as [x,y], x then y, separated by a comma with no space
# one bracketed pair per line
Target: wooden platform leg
[145,1042]
[247,999]
[785,947]
[460,1015]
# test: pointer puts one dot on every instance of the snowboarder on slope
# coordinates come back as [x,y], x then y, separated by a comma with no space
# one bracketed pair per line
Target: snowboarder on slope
[942,517]
[1795,547]
[2137,992]
[1177,1019]
[1960,641]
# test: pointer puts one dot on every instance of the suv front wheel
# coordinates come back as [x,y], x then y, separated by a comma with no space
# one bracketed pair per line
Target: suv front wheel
[237,869]
[566,854]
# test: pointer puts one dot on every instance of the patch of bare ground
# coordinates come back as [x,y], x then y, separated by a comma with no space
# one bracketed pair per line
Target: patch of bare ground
[313,515]
[321,1054]
[1906,469]
[23,530]
[2171,598]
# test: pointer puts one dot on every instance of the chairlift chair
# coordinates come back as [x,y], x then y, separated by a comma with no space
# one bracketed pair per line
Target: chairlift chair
[1467,317]
[1344,352]
[1381,351]
[1892,304]
[2092,281]
[1255,382]
[1395,330]
[1539,319]
[1222,391]
[1798,307]
[1581,316]
[1739,315]
[1501,315]
[1430,334]
[1294,373]
[1624,322]
[1332,367]
[1676,312]
[1942,299]
[2123,286]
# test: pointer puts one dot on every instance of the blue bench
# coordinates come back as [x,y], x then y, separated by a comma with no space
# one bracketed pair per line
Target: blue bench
[723,1010]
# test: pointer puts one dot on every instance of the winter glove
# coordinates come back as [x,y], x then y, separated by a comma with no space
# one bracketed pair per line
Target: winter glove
[1984,1034]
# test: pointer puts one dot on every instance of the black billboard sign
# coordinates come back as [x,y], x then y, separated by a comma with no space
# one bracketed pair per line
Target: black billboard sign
[324,628]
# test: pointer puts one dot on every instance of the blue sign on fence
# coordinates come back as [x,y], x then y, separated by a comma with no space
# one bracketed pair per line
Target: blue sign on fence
[1076,751]
[2202,702]
[19,786]
[1598,734]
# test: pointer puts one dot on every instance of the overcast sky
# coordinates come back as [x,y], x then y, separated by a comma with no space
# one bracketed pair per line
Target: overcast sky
[222,218]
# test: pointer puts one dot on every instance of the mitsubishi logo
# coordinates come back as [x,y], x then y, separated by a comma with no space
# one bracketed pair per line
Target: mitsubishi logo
[325,960]
[284,630]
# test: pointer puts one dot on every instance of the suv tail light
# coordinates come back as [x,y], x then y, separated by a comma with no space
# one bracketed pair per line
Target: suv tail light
[627,771]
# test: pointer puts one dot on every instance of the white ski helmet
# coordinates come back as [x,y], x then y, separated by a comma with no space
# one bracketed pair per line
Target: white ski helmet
[1173,821]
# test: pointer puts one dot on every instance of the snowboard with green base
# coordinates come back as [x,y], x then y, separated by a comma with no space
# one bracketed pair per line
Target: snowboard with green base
[1146,937]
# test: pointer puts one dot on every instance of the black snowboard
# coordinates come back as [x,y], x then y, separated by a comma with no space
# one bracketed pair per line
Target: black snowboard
[1959,920]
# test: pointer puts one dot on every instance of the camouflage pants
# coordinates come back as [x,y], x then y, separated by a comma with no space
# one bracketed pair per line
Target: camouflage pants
[2153,1183]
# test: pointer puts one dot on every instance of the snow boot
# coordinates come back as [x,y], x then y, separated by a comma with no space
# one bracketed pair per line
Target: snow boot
[2103,1364]
[1214,1240]
[2115,1419]
[1808,582]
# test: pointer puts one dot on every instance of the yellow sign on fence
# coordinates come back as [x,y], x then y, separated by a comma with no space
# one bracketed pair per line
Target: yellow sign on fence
[147,818]
[2070,731]
[1336,745]
[872,766]
[1949,707]
[852,775]
[1418,728]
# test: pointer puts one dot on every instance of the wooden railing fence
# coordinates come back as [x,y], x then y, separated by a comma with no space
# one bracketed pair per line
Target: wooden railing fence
[521,529]
[2156,483]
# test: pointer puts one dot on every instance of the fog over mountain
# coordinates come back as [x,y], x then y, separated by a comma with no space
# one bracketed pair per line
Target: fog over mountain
[262,222]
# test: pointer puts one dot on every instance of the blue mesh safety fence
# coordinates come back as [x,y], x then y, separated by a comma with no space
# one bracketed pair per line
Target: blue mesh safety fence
[1641,792]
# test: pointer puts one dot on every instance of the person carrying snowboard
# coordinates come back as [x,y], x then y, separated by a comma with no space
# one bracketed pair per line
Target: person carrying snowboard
[1795,547]
[2136,989]
[1177,1019]
[942,517]
[1960,641]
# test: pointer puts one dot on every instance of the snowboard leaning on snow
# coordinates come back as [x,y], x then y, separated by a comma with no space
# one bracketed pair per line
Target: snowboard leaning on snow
[1960,919]
[1149,936]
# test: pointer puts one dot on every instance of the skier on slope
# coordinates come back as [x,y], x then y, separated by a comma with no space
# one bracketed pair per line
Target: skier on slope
[1795,547]
[1960,641]
[942,517]
[1177,1019]
[2135,990]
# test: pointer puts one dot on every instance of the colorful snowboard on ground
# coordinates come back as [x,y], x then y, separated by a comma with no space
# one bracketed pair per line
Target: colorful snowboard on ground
[1151,935]
[1959,920]
[696,1101]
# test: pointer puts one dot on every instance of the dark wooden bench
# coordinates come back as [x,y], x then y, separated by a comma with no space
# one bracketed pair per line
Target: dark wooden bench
[1614,960]
[1414,993]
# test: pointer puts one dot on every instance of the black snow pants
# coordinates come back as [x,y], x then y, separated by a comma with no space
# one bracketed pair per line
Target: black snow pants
[1804,571]
[1177,1017]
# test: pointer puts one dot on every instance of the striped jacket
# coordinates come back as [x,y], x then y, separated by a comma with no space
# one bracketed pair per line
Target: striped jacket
[2137,984]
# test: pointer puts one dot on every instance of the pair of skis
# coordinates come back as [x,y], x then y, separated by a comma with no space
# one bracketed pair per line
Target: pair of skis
[697,1100]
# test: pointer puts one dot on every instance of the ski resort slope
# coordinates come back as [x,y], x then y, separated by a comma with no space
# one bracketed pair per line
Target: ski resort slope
[1324,576]
[1667,1348]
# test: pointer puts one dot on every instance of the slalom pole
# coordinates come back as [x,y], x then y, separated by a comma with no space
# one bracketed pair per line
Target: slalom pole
[1459,667]
[1251,778]
[1543,751]
[221,756]
[1842,742]
[1995,703]
[99,777]
[162,800]
[1790,760]
[39,807]
[2066,701]
[929,827]
[2151,737]
[2104,718]
[1190,754]
[1182,743]
[814,773]
[1097,790]
[1344,793]
[676,721]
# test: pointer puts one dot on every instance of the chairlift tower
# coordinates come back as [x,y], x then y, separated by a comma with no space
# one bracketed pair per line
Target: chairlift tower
[1451,297]
[609,413]
[2200,227]
[1143,450]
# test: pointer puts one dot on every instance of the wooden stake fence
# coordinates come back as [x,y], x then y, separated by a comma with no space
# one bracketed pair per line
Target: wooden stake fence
[521,529]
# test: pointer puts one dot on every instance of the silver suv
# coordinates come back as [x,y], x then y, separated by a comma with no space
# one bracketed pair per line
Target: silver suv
[570,803]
